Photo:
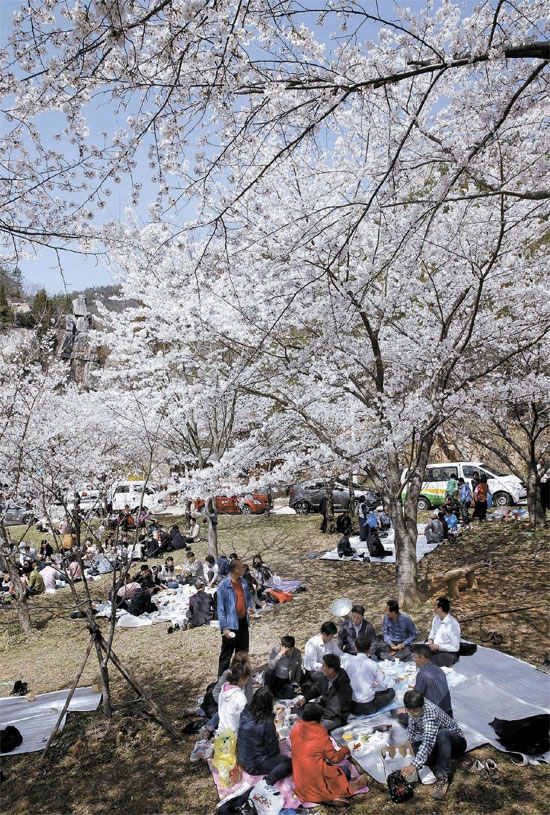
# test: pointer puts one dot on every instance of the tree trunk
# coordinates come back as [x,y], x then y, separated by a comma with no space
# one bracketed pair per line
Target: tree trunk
[404,517]
[210,511]
[534,504]
[20,597]
[352,509]
[331,525]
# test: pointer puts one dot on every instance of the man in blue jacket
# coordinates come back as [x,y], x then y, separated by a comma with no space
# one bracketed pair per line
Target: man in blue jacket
[234,604]
[399,633]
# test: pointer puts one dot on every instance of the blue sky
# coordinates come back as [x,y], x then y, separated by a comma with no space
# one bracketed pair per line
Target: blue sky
[80,271]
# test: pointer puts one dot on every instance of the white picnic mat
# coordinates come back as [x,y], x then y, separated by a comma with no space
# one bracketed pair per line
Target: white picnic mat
[36,720]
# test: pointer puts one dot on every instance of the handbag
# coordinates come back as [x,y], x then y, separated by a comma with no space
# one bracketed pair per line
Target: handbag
[278,596]
[266,799]
[399,787]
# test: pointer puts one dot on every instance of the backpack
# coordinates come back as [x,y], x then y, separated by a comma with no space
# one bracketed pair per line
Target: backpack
[10,738]
[399,788]
[529,735]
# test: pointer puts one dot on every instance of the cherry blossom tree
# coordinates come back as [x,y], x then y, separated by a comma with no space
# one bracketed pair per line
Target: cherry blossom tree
[368,194]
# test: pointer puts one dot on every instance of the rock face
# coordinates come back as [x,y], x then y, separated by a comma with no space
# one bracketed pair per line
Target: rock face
[76,347]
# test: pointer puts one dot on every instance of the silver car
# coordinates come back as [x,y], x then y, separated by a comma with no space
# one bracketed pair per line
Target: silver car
[306,497]
[16,515]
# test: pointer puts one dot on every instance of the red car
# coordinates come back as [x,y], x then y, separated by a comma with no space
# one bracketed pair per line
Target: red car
[252,503]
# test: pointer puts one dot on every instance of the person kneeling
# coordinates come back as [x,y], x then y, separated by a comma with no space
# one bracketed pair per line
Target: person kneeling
[435,738]
[258,749]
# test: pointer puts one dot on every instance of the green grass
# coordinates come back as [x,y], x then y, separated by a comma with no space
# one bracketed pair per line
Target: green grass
[129,765]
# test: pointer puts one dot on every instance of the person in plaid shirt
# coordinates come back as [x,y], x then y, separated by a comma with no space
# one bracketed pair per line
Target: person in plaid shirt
[435,738]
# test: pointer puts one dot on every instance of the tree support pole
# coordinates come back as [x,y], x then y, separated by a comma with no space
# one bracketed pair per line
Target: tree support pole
[69,697]
[135,684]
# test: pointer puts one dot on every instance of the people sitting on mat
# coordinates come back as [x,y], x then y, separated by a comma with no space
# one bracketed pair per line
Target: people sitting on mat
[192,531]
[178,540]
[452,523]
[374,544]
[333,692]
[344,524]
[142,601]
[398,633]
[444,636]
[145,577]
[125,591]
[284,669]
[435,739]
[232,698]
[434,529]
[262,574]
[353,627]
[258,747]
[430,679]
[384,520]
[201,609]
[211,571]
[212,698]
[316,648]
[168,573]
[369,688]
[317,778]
[253,587]
[192,570]
[345,549]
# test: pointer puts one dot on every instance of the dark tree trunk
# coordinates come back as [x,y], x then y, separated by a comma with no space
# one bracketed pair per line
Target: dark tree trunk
[331,524]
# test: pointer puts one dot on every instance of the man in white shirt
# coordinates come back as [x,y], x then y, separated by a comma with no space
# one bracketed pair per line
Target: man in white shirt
[444,636]
[316,648]
[363,673]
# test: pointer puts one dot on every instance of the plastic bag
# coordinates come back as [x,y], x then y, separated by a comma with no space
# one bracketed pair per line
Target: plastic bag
[266,799]
[225,756]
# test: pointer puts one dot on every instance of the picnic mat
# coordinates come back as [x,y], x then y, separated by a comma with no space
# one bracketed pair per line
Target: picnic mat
[483,686]
[422,548]
[173,605]
[36,720]
[285,786]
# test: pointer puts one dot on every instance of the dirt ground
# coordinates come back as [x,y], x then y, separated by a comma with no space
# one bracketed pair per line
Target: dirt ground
[129,764]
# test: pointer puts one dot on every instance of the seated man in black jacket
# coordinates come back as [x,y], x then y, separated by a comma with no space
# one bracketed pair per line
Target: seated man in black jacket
[142,602]
[201,610]
[335,693]
[356,626]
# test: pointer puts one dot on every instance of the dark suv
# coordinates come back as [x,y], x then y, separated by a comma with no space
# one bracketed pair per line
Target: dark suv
[306,497]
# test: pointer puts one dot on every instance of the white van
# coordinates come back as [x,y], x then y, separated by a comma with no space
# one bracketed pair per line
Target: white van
[505,488]
[131,492]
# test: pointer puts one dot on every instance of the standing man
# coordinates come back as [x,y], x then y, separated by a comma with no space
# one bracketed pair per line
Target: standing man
[234,604]
[435,738]
[444,636]
[399,633]
[352,628]
[465,500]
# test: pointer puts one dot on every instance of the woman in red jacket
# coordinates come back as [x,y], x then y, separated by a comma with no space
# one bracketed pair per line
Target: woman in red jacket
[316,778]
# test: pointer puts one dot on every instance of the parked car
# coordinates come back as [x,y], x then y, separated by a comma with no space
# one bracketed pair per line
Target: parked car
[252,503]
[131,492]
[16,515]
[505,488]
[306,496]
